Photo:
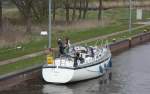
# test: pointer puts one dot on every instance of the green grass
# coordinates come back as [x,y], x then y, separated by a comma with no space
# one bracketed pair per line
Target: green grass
[146,14]
[32,46]
[40,59]
[119,37]
[4,69]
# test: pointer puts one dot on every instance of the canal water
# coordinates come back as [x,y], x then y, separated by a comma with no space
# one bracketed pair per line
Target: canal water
[130,75]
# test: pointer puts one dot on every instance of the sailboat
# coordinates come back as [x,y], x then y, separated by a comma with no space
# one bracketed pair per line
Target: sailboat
[79,63]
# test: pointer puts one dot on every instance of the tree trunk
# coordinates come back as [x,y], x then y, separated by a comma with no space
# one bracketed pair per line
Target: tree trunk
[74,10]
[28,16]
[85,8]
[80,9]
[28,24]
[54,10]
[67,10]
[1,29]
[100,8]
[35,13]
[24,7]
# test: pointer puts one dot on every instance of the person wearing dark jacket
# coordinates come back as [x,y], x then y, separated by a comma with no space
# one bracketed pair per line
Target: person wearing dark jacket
[61,47]
[77,57]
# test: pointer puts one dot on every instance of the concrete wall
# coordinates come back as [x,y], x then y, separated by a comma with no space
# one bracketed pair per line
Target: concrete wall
[119,46]
[15,78]
[136,40]
[128,43]
[35,72]
[146,37]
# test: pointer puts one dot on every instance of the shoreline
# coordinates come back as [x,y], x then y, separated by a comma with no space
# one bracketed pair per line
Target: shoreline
[15,78]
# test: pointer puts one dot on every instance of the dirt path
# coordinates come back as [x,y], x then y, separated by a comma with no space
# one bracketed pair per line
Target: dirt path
[85,41]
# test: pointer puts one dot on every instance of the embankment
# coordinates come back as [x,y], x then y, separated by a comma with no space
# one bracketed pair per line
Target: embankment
[35,71]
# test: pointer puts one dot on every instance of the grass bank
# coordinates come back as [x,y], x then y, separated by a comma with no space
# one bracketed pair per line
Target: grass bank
[41,44]
[21,65]
[4,69]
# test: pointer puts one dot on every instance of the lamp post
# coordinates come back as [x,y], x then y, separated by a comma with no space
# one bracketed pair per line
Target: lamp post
[49,25]
[130,15]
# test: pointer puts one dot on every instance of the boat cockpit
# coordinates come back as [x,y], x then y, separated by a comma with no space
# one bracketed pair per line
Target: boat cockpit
[79,55]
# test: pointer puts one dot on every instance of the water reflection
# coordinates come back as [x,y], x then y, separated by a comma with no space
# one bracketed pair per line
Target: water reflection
[56,89]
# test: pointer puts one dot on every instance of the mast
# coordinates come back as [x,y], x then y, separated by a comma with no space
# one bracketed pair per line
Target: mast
[49,25]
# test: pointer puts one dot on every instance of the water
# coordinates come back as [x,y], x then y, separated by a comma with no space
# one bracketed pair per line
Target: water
[130,75]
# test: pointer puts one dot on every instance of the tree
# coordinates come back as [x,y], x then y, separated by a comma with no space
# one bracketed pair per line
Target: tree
[100,8]
[54,10]
[74,9]
[39,10]
[28,15]
[67,11]
[86,3]
[24,6]
[1,29]
[80,9]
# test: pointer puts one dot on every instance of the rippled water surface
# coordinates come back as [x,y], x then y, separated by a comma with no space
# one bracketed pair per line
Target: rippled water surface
[130,75]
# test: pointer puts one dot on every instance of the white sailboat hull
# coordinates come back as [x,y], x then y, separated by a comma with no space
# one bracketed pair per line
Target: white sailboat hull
[66,75]
[67,69]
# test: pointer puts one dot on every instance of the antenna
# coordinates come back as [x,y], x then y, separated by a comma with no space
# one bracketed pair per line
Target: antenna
[106,44]
[102,43]
[96,44]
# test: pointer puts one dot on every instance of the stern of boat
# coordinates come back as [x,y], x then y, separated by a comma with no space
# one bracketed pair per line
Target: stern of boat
[53,74]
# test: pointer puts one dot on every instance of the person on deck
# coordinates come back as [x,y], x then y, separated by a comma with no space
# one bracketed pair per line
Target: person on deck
[92,52]
[61,47]
[67,45]
[77,57]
